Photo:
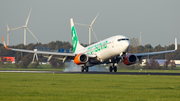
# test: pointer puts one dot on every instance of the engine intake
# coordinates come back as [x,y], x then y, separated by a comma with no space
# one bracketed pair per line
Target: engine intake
[130,59]
[81,59]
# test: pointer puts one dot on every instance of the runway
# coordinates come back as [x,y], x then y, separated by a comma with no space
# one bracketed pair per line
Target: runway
[93,72]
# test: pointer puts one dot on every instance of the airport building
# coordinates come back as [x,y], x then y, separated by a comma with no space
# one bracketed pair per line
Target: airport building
[8,59]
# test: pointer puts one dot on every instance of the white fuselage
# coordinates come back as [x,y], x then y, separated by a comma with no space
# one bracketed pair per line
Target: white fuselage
[108,48]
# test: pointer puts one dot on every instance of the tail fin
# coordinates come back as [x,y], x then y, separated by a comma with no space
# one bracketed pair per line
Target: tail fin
[76,45]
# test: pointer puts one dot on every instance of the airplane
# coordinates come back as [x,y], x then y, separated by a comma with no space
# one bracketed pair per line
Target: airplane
[110,50]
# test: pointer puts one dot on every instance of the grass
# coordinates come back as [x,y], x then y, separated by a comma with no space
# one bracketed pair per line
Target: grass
[47,67]
[152,71]
[75,87]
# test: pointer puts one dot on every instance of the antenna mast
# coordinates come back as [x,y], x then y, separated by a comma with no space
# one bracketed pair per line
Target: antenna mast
[140,40]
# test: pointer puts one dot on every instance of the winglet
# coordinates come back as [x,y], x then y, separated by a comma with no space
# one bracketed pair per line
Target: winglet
[175,43]
[5,43]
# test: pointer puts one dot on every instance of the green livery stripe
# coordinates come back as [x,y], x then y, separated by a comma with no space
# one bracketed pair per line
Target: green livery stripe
[97,47]
[74,38]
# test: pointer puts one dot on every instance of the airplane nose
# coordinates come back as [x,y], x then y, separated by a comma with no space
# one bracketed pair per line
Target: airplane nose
[126,45]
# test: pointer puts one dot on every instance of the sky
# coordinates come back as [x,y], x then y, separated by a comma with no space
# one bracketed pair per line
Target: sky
[158,20]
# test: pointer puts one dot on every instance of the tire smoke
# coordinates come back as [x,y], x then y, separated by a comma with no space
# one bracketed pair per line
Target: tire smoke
[72,67]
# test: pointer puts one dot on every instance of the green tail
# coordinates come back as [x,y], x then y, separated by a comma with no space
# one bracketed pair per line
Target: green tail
[75,41]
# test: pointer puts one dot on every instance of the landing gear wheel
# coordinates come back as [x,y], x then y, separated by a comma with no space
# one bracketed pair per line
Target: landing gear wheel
[87,68]
[110,68]
[115,69]
[82,69]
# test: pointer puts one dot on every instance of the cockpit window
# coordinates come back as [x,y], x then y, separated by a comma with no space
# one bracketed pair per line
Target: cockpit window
[119,40]
[122,39]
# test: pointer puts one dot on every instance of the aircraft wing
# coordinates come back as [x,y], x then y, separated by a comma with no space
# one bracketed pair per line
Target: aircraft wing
[160,52]
[61,56]
[153,53]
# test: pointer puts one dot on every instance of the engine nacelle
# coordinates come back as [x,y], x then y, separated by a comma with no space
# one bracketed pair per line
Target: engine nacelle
[81,59]
[130,59]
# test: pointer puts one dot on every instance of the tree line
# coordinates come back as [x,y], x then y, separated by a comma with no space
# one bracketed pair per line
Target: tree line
[136,48]
[23,59]
[26,58]
[152,64]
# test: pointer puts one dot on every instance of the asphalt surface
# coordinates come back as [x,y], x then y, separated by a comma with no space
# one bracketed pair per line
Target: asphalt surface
[93,72]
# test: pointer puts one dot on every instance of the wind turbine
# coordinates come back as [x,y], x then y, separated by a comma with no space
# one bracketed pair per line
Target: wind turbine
[140,39]
[8,32]
[7,35]
[25,27]
[90,28]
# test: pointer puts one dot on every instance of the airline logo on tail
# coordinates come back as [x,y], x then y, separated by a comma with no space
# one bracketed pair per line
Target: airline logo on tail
[74,38]
[76,45]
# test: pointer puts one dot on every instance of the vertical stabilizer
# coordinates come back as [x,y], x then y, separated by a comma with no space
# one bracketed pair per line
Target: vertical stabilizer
[75,42]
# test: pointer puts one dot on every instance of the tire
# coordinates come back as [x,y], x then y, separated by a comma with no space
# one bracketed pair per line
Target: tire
[115,69]
[110,68]
[82,69]
[87,68]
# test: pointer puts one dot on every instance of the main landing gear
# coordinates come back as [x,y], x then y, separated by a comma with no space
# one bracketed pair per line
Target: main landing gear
[111,68]
[84,68]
